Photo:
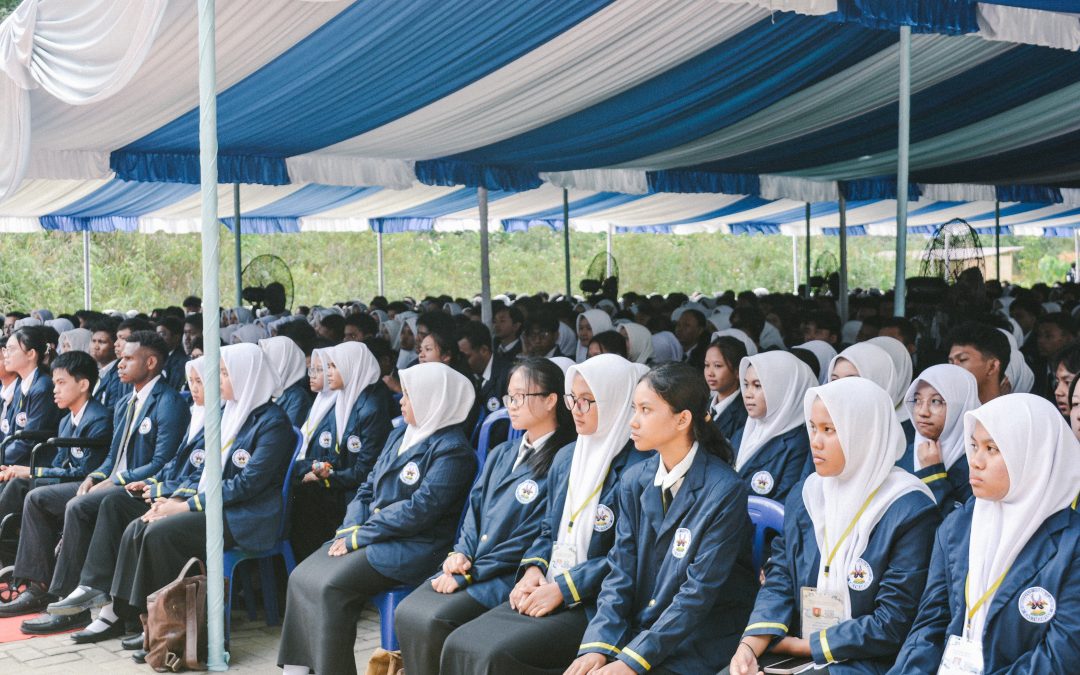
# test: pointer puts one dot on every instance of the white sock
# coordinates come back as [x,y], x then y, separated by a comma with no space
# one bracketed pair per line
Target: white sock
[99,624]
[295,670]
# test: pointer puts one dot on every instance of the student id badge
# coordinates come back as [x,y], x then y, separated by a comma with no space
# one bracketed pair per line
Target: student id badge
[820,610]
[962,657]
[563,557]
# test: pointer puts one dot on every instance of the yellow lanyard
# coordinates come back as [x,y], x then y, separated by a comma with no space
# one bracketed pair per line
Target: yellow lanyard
[986,596]
[575,514]
[850,527]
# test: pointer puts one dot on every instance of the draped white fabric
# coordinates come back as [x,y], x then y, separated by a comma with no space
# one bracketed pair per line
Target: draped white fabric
[958,192]
[324,169]
[1029,26]
[799,189]
[626,181]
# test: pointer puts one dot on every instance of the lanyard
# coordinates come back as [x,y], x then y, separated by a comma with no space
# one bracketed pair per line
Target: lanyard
[981,601]
[850,527]
[575,514]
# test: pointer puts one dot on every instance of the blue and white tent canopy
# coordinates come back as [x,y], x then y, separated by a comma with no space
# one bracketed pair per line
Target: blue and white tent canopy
[388,113]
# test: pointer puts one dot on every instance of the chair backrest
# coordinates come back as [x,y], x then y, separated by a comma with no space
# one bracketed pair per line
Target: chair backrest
[766,515]
[484,443]
[287,487]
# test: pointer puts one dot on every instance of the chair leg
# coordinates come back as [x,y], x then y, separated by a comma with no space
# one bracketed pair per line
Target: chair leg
[269,584]
[287,555]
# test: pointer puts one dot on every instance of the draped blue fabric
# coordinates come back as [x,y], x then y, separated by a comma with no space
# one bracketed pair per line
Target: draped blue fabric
[852,230]
[264,224]
[116,206]
[1028,193]
[526,224]
[401,224]
[704,181]
[950,17]
[183,167]
[1057,231]
[284,214]
[883,187]
[1053,161]
[455,172]
[90,223]
[755,228]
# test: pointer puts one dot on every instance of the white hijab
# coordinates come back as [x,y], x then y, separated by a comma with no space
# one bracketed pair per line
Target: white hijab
[359,369]
[286,362]
[850,331]
[741,336]
[562,362]
[666,347]
[76,340]
[638,342]
[612,380]
[248,333]
[872,441]
[873,363]
[784,381]
[825,353]
[42,315]
[599,321]
[391,328]
[28,321]
[770,337]
[902,370]
[567,340]
[721,317]
[324,401]
[198,413]
[1019,372]
[960,391]
[61,326]
[1040,453]
[440,397]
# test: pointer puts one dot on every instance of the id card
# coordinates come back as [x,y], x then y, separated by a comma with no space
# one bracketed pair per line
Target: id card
[962,657]
[820,610]
[563,557]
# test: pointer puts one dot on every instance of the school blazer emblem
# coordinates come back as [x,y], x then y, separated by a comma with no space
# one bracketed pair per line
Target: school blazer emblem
[860,576]
[492,404]
[353,444]
[1037,605]
[240,458]
[197,458]
[681,543]
[145,425]
[762,482]
[605,518]
[20,419]
[410,473]
[325,439]
[77,453]
[526,491]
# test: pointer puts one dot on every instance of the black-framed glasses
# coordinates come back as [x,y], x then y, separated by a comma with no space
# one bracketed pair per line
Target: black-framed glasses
[516,400]
[582,405]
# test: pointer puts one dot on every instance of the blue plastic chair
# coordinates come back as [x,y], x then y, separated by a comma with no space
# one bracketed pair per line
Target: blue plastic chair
[766,515]
[484,444]
[282,548]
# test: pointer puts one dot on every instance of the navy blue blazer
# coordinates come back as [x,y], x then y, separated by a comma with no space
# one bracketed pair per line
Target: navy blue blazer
[778,465]
[950,486]
[321,448]
[407,511]
[1020,636]
[897,557]
[369,424]
[159,429]
[581,583]
[681,585]
[252,477]
[732,420]
[34,411]
[175,371]
[110,390]
[184,469]
[75,463]
[296,401]
[505,509]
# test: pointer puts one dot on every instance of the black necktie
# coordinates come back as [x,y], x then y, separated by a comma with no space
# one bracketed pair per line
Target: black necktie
[665,498]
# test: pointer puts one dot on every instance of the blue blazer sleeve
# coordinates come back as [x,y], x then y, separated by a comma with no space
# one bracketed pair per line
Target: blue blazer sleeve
[610,626]
[296,402]
[171,417]
[41,415]
[98,427]
[103,471]
[775,607]
[370,424]
[470,524]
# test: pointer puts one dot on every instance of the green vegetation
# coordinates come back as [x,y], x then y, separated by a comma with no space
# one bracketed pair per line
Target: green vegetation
[7,7]
[145,271]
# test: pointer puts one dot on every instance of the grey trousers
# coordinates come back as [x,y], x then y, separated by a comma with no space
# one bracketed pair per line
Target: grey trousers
[425,619]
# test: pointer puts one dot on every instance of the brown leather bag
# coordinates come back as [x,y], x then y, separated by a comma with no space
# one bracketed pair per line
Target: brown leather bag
[175,623]
[385,663]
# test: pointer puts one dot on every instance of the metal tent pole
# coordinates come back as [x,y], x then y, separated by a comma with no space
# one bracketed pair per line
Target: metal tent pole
[794,264]
[807,249]
[236,245]
[610,231]
[997,239]
[485,271]
[902,166]
[843,291]
[566,238]
[379,258]
[86,268]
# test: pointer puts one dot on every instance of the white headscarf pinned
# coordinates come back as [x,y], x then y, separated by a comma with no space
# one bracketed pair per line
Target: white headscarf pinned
[1019,373]
[721,317]
[562,362]
[873,363]
[612,379]
[960,391]
[324,402]
[638,342]
[42,315]
[61,326]
[286,361]
[872,441]
[741,336]
[1040,453]
[850,332]
[771,338]
[28,321]
[666,347]
[440,397]
[567,340]
[824,353]
[902,369]
[248,333]
[599,321]
[391,329]
[452,308]
[75,340]
[359,370]
[198,412]
[784,379]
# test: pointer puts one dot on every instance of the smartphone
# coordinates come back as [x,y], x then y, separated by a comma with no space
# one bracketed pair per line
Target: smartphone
[788,665]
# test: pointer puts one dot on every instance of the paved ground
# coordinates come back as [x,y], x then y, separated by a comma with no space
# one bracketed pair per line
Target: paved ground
[254,650]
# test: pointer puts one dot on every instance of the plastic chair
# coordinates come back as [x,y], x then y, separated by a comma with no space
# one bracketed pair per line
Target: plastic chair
[282,548]
[484,443]
[766,515]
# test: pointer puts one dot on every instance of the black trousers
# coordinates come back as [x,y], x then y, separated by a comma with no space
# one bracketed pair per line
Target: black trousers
[316,513]
[12,494]
[117,510]
[425,619]
[325,598]
[503,641]
[47,511]
[151,555]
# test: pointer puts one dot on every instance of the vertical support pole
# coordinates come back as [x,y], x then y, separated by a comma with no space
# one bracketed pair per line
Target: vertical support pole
[217,659]
[1076,248]
[808,270]
[794,264]
[997,240]
[902,165]
[236,245]
[485,271]
[843,292]
[379,257]
[566,239]
[86,268]
[610,231]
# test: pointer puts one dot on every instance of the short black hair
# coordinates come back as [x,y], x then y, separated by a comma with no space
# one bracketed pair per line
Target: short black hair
[437,322]
[152,341]
[103,327]
[194,320]
[380,348]
[365,323]
[300,332]
[543,319]
[990,342]
[172,324]
[136,325]
[79,365]
[476,334]
[192,301]
[1061,320]
[515,314]
[610,342]
[335,323]
[825,321]
[906,327]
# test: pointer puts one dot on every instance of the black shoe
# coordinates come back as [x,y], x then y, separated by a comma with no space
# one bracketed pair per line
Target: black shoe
[30,601]
[47,624]
[139,656]
[85,637]
[133,642]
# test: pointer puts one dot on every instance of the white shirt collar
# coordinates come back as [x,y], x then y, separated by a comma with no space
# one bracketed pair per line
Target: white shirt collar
[76,417]
[104,369]
[527,446]
[721,404]
[505,348]
[7,392]
[672,480]
[487,371]
[144,393]
[28,382]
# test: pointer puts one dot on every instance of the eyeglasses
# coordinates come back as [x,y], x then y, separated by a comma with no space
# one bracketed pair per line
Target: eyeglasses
[935,404]
[518,400]
[582,405]
[312,372]
[533,334]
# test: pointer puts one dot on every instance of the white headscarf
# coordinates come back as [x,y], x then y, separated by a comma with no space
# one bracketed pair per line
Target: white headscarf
[324,401]
[76,339]
[1040,453]
[612,380]
[902,370]
[741,336]
[359,370]
[824,352]
[286,362]
[28,321]
[872,441]
[850,332]
[198,413]
[666,347]
[1018,372]
[452,308]
[567,340]
[42,315]
[242,315]
[61,326]
[599,321]
[248,333]
[721,317]
[638,342]
[440,397]
[873,363]
[784,380]
[1017,330]
[960,391]
[562,362]
[391,328]
[770,337]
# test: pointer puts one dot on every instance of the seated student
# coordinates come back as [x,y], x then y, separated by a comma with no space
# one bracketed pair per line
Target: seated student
[314,505]
[32,407]
[608,342]
[288,366]
[871,361]
[257,442]
[397,528]
[589,323]
[845,577]
[147,428]
[773,452]
[117,511]
[726,408]
[360,327]
[171,330]
[1065,366]
[73,377]
[681,586]
[491,372]
[691,333]
[559,576]
[1019,378]
[109,389]
[1003,589]
[506,507]
[823,326]
[823,354]
[540,338]
[982,351]
[438,346]
[193,330]
[639,347]
[506,324]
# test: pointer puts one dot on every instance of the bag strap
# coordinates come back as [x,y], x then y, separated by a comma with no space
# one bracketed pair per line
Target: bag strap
[187,568]
[191,633]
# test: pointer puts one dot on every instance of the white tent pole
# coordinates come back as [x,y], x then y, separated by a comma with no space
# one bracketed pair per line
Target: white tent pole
[794,264]
[807,249]
[902,165]
[485,271]
[217,659]
[1076,247]
[566,237]
[379,259]
[610,231]
[86,268]
[997,239]
[236,245]
[843,292]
